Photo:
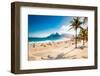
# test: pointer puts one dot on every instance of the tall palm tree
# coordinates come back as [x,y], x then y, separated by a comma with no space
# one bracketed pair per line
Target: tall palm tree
[86,34]
[84,30]
[85,22]
[83,34]
[75,24]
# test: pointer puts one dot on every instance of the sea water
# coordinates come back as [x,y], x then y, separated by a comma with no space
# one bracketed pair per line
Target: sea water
[43,40]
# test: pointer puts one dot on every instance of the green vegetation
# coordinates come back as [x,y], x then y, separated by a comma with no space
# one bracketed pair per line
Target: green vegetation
[76,24]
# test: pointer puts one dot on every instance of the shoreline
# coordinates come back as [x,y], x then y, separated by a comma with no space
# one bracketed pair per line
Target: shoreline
[47,41]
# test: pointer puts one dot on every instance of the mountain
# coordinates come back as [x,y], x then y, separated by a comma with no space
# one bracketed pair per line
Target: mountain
[54,36]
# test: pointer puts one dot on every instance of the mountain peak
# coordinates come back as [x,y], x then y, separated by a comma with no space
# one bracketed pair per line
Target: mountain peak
[54,35]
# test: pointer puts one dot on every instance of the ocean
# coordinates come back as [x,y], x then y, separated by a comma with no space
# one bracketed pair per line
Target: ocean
[50,38]
[36,40]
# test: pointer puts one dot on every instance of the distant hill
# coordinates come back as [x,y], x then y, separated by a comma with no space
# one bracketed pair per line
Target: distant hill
[56,35]
[53,36]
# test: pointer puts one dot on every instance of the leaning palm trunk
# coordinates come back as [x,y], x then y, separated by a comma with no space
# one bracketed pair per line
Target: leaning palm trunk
[76,38]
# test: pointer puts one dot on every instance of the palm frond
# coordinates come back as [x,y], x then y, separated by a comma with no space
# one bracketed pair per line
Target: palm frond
[70,28]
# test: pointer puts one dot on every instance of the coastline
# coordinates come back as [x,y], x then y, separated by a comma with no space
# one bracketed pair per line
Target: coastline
[47,41]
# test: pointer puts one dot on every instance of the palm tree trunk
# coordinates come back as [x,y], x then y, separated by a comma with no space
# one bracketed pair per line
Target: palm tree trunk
[83,42]
[75,38]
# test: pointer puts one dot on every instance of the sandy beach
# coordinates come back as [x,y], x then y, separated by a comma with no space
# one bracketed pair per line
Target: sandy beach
[57,50]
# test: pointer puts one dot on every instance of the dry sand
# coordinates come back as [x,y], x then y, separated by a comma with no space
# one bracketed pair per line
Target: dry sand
[57,50]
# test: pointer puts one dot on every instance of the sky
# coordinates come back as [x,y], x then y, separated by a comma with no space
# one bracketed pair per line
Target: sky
[43,25]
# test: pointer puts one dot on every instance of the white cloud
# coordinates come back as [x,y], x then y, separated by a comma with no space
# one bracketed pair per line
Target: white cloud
[39,34]
[65,29]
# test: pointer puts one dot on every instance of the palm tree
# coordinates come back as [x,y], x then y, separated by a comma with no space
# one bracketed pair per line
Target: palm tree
[87,34]
[75,24]
[83,34]
[85,21]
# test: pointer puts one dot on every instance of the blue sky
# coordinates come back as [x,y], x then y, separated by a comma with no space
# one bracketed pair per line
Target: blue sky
[43,25]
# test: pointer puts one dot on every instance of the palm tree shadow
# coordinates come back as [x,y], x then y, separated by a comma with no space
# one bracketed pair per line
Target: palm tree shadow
[81,47]
[61,56]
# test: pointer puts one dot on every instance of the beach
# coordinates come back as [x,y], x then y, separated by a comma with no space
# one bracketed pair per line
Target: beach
[57,50]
